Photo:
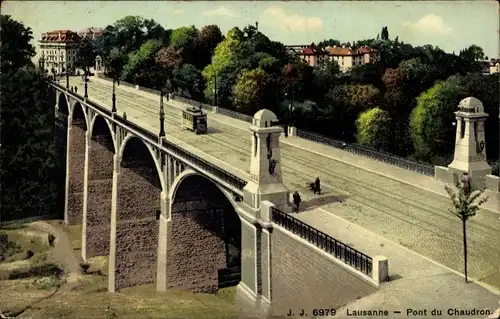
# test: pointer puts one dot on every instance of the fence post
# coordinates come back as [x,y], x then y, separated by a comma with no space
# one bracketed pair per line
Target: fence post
[380,270]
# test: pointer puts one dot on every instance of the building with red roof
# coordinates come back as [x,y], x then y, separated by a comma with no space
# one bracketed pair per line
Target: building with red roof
[346,58]
[58,49]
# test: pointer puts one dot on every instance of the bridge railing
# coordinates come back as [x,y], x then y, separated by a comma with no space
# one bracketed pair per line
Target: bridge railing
[188,157]
[225,176]
[337,249]
[419,167]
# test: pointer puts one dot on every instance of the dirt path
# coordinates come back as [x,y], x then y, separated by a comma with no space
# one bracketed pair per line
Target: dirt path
[63,251]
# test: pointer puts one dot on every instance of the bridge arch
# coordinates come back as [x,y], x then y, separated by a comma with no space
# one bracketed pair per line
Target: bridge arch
[99,126]
[62,103]
[138,196]
[156,162]
[205,239]
[78,113]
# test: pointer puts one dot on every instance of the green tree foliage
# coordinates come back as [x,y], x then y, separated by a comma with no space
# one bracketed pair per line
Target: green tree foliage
[85,56]
[208,39]
[189,79]
[431,121]
[186,39]
[15,50]
[115,62]
[466,203]
[250,90]
[129,33]
[139,62]
[224,65]
[27,120]
[384,34]
[472,53]
[374,129]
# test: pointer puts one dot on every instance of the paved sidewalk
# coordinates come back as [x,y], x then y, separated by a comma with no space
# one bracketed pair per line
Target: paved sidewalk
[416,282]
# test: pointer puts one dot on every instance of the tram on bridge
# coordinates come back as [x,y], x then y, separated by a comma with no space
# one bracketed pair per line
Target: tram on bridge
[194,120]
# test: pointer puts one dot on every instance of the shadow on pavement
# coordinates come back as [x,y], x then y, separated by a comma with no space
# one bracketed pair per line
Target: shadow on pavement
[321,200]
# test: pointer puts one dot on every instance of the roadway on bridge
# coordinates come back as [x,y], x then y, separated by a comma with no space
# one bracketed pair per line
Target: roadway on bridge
[413,217]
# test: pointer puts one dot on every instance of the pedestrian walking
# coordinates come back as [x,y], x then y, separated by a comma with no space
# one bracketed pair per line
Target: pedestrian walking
[317,186]
[76,89]
[296,201]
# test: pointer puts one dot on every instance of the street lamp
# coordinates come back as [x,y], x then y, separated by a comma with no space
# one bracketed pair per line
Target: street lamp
[85,79]
[162,115]
[113,96]
[41,64]
[67,80]
[215,89]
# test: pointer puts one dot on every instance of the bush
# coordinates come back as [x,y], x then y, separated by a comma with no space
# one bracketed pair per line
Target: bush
[37,271]
[8,248]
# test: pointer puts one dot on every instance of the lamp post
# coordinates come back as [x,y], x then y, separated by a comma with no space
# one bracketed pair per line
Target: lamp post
[41,64]
[113,96]
[85,80]
[467,189]
[162,115]
[215,89]
[67,80]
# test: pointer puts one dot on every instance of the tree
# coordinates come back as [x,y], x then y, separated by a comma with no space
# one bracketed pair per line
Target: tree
[15,50]
[85,55]
[185,39]
[168,57]
[465,205]
[472,53]
[189,79]
[374,129]
[225,66]
[249,91]
[140,62]
[129,34]
[431,120]
[27,157]
[384,34]
[393,79]
[154,31]
[115,62]
[208,39]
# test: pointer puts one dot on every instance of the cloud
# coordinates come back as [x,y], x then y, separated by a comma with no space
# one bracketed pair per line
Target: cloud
[430,24]
[276,16]
[220,12]
[178,11]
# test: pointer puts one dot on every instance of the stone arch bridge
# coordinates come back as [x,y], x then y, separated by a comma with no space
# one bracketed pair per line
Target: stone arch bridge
[166,216]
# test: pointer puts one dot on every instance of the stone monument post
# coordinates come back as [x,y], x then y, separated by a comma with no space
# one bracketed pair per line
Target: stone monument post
[470,143]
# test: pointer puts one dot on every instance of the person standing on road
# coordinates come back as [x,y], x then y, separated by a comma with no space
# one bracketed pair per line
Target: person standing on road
[317,186]
[76,89]
[296,201]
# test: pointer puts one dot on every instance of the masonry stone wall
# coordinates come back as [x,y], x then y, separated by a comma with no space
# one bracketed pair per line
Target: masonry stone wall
[197,246]
[303,278]
[76,154]
[138,200]
[100,186]
[196,249]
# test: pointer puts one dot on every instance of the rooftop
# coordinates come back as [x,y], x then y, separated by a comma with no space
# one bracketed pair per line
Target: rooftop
[60,36]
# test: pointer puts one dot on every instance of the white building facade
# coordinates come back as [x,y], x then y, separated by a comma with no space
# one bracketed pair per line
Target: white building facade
[58,49]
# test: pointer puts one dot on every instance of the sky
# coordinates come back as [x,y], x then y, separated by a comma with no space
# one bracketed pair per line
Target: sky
[451,25]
